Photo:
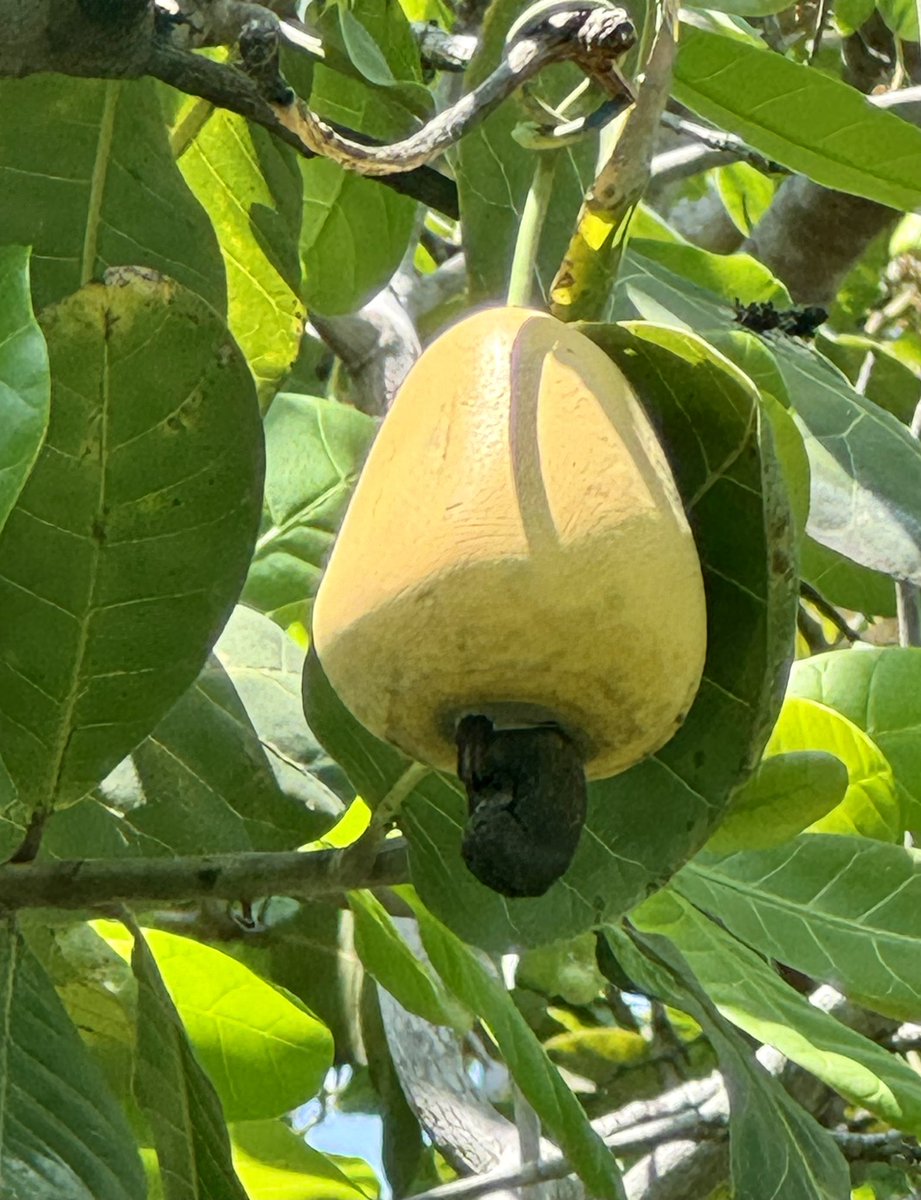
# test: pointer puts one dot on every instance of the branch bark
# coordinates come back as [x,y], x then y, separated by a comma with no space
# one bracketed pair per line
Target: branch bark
[101,883]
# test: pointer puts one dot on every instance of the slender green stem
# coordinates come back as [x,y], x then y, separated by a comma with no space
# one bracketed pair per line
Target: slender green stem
[521,279]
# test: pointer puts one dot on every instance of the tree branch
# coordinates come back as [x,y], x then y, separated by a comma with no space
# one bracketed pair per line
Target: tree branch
[638,1139]
[591,33]
[95,883]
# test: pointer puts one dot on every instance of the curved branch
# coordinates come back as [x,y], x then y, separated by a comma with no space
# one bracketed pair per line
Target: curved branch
[590,33]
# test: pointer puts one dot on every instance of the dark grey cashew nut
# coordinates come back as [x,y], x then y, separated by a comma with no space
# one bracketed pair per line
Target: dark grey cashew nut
[527,800]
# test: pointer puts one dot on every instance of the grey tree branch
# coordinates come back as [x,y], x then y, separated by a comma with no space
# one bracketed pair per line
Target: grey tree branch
[640,1139]
[100,883]
[590,33]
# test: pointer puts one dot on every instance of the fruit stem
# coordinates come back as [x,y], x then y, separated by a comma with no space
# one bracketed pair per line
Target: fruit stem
[524,262]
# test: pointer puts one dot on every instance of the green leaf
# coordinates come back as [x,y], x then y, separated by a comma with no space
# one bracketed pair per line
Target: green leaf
[477,988]
[743,8]
[190,1135]
[371,40]
[24,377]
[386,957]
[648,286]
[751,995]
[230,767]
[95,985]
[264,1052]
[402,1146]
[885,379]
[746,192]
[130,541]
[63,1133]
[841,909]
[373,766]
[771,1138]
[793,461]
[800,117]
[363,51]
[273,1161]
[901,16]
[785,795]
[879,689]
[871,806]
[851,14]
[250,186]
[88,180]
[354,235]
[844,582]
[729,276]
[314,450]
[866,467]
[307,950]
[494,171]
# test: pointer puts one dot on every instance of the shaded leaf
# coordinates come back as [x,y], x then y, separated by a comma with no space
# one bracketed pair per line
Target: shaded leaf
[884,378]
[845,583]
[403,1147]
[879,689]
[785,795]
[752,996]
[130,540]
[901,16]
[63,1133]
[231,766]
[314,450]
[540,1083]
[97,989]
[354,234]
[871,806]
[88,180]
[24,377]
[771,1138]
[866,467]
[842,909]
[807,120]
[190,1135]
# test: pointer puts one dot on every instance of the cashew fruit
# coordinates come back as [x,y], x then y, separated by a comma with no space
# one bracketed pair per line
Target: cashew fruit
[515,549]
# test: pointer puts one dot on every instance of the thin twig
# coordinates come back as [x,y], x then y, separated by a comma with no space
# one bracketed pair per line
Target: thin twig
[591,33]
[821,20]
[725,143]
[638,1140]
[94,883]
[828,610]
